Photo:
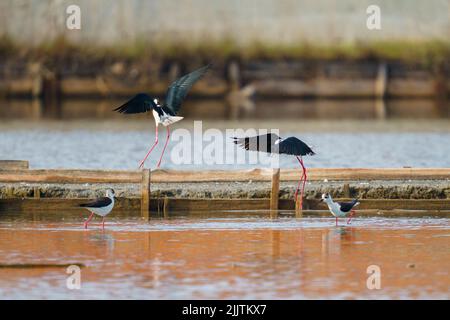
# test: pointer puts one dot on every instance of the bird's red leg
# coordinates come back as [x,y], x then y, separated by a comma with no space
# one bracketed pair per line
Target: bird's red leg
[103,223]
[336,221]
[88,220]
[304,178]
[298,186]
[165,145]
[351,216]
[299,182]
[151,149]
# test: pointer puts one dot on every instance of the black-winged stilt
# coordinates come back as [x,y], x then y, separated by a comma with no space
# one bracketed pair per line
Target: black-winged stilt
[100,206]
[165,113]
[340,209]
[272,143]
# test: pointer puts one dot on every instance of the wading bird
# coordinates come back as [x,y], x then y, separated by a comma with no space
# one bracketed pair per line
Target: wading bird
[272,143]
[100,206]
[340,209]
[165,113]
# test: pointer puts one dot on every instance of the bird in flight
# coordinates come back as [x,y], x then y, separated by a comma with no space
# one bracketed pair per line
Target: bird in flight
[340,209]
[272,143]
[100,206]
[165,113]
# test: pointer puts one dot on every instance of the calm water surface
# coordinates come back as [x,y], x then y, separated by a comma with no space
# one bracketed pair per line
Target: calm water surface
[225,258]
[343,133]
[92,149]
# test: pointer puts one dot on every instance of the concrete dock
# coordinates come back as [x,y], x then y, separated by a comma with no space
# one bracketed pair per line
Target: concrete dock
[148,191]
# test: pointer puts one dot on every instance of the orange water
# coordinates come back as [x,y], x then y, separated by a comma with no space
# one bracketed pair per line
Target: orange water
[226,258]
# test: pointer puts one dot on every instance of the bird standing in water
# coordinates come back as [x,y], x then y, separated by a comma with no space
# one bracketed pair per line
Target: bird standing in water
[272,143]
[101,206]
[340,209]
[166,113]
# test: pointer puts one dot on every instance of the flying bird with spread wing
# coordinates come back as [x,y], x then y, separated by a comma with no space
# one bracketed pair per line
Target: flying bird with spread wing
[272,143]
[165,113]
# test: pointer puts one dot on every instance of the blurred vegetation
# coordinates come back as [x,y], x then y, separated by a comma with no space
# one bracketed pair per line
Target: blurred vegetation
[426,53]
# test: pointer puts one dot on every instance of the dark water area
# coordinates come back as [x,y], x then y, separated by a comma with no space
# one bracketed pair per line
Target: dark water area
[216,109]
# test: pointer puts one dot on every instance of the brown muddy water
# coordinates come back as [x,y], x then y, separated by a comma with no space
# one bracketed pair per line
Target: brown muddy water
[224,258]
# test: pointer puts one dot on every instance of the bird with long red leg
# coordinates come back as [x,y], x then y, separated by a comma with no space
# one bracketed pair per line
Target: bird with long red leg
[100,206]
[272,143]
[166,113]
[340,209]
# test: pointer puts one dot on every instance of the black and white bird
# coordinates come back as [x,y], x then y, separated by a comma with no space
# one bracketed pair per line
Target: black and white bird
[272,143]
[100,206]
[340,209]
[166,113]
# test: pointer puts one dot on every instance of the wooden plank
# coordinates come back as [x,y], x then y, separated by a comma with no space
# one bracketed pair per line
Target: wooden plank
[314,174]
[167,176]
[63,206]
[342,174]
[13,164]
[160,175]
[145,194]
[275,190]
[71,176]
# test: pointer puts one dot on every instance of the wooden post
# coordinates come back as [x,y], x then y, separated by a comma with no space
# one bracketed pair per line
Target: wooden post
[36,193]
[158,198]
[9,192]
[51,93]
[234,77]
[274,194]
[346,190]
[298,209]
[174,71]
[380,91]
[145,194]
[166,207]
[234,82]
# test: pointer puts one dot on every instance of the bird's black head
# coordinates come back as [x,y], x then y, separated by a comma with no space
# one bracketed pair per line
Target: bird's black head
[110,192]
[325,197]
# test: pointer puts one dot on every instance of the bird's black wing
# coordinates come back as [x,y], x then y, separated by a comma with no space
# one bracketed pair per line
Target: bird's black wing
[262,143]
[295,147]
[180,88]
[98,203]
[347,206]
[139,103]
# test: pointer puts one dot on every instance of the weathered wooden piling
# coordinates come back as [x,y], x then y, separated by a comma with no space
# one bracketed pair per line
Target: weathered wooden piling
[298,208]
[274,193]
[346,190]
[380,91]
[145,194]
[166,207]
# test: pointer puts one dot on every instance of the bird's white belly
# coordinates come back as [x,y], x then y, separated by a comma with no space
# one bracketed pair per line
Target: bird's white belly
[165,119]
[336,211]
[102,211]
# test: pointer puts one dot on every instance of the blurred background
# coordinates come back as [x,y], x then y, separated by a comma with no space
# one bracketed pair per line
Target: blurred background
[314,69]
